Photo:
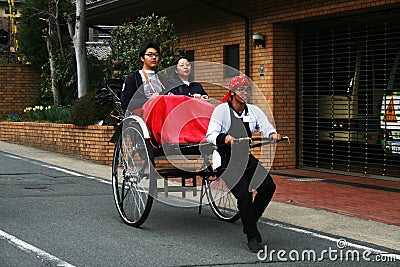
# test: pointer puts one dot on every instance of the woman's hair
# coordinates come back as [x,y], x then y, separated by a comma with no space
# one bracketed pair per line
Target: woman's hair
[146,46]
[176,61]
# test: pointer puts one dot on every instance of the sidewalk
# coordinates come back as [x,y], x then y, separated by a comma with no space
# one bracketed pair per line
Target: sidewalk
[366,198]
[359,208]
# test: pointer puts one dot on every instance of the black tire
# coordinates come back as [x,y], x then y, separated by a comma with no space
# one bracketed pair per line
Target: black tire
[133,176]
[222,202]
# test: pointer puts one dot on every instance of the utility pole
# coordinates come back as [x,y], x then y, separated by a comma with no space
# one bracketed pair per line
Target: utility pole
[12,41]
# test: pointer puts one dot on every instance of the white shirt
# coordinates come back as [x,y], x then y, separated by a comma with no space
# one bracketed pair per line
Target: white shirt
[220,122]
[153,85]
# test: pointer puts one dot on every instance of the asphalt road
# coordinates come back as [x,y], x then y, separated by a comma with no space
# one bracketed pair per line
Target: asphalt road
[53,216]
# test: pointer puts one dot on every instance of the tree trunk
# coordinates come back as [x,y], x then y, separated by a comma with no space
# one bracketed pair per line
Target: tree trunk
[78,38]
[51,39]
[57,19]
[54,88]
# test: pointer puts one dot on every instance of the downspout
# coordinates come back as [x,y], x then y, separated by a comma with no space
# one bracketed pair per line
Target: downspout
[246,32]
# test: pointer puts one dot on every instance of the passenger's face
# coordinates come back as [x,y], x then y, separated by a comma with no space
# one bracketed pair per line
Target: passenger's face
[150,59]
[183,68]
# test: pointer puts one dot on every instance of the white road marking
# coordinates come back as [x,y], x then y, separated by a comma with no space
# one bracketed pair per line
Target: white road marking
[59,169]
[12,156]
[333,239]
[43,255]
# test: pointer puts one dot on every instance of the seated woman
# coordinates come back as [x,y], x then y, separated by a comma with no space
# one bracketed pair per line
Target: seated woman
[181,84]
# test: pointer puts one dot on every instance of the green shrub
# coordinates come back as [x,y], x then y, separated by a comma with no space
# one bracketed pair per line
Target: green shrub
[86,112]
[55,114]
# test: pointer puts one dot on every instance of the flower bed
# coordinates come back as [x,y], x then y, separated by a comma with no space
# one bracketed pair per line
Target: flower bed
[87,142]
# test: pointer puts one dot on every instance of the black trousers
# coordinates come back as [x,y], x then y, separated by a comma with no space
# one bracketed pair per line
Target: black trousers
[254,176]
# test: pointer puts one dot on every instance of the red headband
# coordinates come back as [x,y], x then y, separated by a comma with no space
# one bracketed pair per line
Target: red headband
[235,82]
[238,81]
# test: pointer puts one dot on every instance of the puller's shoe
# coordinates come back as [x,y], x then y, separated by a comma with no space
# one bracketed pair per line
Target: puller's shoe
[256,235]
[254,245]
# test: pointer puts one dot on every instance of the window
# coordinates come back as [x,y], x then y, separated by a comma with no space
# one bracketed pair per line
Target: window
[231,60]
[7,10]
[190,55]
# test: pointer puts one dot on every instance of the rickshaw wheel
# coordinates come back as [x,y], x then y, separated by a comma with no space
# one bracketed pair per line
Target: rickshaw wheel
[133,175]
[222,202]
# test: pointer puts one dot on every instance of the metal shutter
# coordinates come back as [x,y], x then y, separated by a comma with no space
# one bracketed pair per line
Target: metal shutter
[346,68]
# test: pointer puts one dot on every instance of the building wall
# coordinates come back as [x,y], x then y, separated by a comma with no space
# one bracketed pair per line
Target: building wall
[18,86]
[207,33]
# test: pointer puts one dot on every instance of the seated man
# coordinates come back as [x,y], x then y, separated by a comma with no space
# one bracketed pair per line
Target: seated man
[142,84]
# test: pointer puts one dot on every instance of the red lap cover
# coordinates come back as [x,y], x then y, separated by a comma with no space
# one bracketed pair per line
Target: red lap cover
[177,119]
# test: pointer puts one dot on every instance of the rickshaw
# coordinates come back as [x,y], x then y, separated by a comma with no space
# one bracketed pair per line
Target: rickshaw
[135,171]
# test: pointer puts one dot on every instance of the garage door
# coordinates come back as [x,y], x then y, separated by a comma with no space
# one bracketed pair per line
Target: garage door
[349,111]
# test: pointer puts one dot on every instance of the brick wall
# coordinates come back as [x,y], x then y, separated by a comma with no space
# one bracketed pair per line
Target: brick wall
[284,90]
[91,142]
[207,33]
[18,86]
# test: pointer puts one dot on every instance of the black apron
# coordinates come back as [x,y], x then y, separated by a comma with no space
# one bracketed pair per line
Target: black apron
[236,160]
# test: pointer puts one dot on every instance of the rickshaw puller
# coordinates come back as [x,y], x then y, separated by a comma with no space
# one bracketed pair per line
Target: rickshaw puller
[232,120]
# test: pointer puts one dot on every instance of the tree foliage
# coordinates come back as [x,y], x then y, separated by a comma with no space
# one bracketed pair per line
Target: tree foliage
[44,20]
[32,46]
[41,17]
[44,41]
[33,26]
[127,39]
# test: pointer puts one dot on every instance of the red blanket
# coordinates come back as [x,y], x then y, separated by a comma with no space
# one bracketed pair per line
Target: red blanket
[177,119]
